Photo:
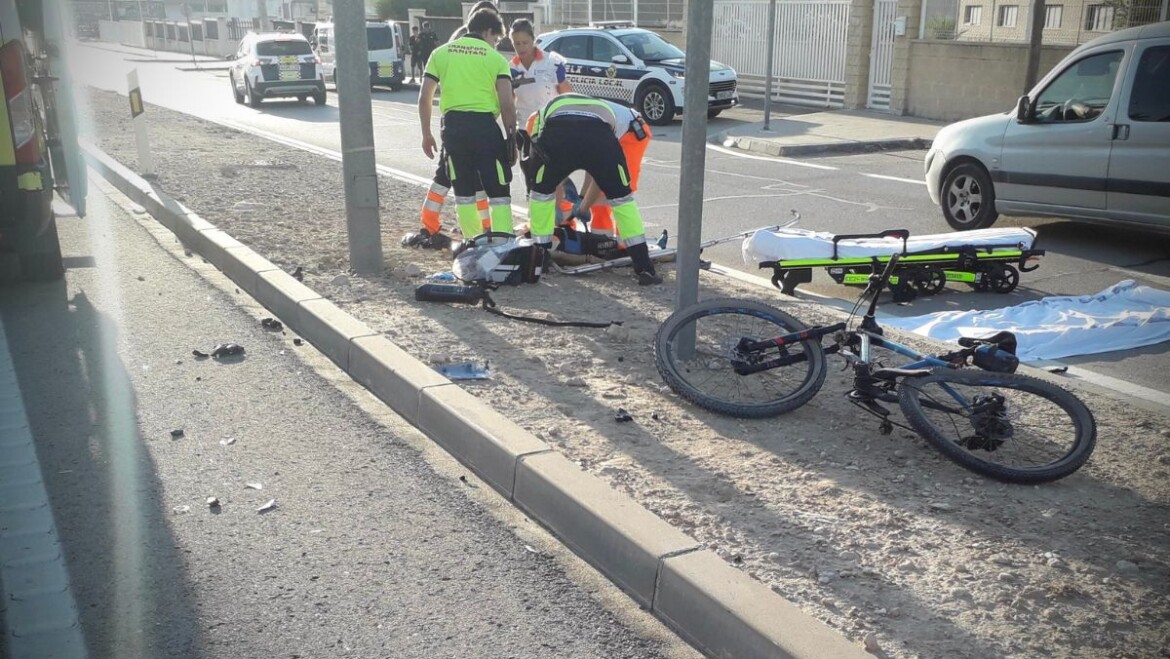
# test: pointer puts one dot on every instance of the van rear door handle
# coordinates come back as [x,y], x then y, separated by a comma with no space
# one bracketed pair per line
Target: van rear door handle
[1121,131]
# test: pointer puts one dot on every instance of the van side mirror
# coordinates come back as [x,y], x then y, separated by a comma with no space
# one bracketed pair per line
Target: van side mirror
[620,59]
[1025,111]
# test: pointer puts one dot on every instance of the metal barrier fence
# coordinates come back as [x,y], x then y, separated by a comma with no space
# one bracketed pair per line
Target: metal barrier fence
[1009,21]
[643,13]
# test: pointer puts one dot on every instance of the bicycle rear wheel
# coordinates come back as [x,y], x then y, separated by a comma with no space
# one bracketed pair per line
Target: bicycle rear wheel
[1010,427]
[707,377]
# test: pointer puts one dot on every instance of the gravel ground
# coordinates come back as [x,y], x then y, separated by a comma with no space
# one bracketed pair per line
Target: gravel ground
[878,536]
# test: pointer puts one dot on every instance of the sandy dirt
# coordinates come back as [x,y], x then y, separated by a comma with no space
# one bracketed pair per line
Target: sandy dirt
[878,536]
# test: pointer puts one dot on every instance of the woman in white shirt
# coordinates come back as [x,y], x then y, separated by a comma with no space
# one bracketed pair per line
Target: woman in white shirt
[537,76]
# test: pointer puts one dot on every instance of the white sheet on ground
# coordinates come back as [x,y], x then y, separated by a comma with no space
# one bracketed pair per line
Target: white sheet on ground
[793,243]
[1120,317]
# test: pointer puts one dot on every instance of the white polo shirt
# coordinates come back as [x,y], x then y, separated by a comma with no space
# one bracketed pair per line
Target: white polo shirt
[539,82]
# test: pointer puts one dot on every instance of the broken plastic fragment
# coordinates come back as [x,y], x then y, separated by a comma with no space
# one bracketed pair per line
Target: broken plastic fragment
[212,502]
[179,510]
[298,342]
[267,506]
[254,486]
[227,441]
[177,433]
[622,415]
[199,354]
[271,324]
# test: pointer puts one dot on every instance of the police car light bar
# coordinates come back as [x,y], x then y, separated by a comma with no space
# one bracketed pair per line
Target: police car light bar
[611,25]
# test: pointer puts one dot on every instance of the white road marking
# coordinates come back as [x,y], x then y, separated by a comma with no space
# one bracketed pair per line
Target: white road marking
[782,161]
[894,178]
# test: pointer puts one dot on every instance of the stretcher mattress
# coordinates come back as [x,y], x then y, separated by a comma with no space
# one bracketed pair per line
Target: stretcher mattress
[792,244]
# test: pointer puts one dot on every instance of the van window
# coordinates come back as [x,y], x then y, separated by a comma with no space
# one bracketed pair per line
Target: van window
[379,38]
[281,48]
[1150,99]
[1082,91]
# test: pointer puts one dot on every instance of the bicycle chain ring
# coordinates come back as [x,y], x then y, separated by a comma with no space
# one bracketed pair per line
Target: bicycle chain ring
[991,425]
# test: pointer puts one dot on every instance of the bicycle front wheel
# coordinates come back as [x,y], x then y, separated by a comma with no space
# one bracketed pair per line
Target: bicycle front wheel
[1007,426]
[706,375]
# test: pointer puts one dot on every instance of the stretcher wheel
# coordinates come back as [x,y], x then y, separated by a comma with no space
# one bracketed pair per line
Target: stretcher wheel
[903,291]
[930,281]
[1004,279]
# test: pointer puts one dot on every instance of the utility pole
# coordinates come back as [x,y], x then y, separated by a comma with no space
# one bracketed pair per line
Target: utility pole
[1035,42]
[700,15]
[768,67]
[362,220]
[262,11]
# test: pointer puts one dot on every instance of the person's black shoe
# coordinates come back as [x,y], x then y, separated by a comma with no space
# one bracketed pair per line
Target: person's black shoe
[648,279]
[416,238]
[438,241]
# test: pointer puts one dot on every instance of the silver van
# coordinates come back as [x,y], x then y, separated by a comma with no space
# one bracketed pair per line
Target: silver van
[1090,142]
[384,45]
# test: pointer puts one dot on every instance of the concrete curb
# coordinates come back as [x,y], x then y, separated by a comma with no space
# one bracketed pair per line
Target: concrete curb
[771,147]
[715,607]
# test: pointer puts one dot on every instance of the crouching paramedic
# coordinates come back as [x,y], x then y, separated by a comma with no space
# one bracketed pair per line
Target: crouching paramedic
[477,87]
[634,135]
[576,132]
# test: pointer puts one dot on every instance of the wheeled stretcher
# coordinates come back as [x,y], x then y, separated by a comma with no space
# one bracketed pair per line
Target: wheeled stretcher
[986,259]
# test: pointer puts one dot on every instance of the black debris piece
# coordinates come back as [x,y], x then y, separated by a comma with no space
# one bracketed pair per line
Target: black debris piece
[621,416]
[199,354]
[141,278]
[227,350]
[299,274]
[272,324]
[298,342]
[177,433]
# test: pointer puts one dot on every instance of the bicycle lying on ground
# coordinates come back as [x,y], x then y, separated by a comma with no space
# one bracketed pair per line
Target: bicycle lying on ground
[746,359]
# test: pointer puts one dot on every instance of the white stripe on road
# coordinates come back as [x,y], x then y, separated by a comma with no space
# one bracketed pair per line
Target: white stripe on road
[894,178]
[782,161]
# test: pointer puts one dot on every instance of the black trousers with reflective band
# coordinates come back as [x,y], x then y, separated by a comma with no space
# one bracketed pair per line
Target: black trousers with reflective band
[573,143]
[477,154]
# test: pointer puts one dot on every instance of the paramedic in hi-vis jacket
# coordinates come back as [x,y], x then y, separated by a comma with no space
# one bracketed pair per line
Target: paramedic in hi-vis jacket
[477,87]
[574,132]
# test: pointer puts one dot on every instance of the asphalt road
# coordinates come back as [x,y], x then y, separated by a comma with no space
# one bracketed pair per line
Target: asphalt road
[845,194]
[376,546]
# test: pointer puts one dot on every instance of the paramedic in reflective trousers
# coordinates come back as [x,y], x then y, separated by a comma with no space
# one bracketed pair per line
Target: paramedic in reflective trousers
[574,132]
[477,87]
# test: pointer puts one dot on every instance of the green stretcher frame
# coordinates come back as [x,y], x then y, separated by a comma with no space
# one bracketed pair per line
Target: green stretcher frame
[994,268]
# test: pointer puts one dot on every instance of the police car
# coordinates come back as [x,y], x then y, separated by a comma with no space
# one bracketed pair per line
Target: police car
[622,63]
[272,65]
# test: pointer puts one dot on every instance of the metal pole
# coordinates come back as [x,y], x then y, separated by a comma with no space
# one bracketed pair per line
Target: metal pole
[190,34]
[700,15]
[589,13]
[768,67]
[1036,40]
[1165,10]
[362,220]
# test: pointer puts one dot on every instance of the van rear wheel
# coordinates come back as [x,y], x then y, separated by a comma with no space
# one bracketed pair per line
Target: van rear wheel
[968,198]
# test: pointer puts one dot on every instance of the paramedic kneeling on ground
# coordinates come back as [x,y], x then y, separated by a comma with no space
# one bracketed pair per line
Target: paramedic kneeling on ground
[477,87]
[576,132]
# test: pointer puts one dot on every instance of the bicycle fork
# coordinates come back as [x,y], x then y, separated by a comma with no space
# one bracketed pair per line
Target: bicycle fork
[867,389]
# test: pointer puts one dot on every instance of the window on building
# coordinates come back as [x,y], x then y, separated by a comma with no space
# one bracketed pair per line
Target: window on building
[1052,16]
[1008,15]
[1099,18]
[1150,99]
[972,14]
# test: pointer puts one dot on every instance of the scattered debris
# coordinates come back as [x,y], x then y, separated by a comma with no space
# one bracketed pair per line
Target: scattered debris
[254,486]
[621,416]
[464,371]
[298,342]
[227,350]
[267,506]
[530,549]
[141,278]
[176,433]
[227,441]
[212,502]
[298,274]
[179,510]
[271,324]
[1058,369]
[199,354]
[178,361]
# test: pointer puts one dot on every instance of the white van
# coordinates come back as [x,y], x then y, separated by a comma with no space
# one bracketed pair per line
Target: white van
[384,43]
[1090,142]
